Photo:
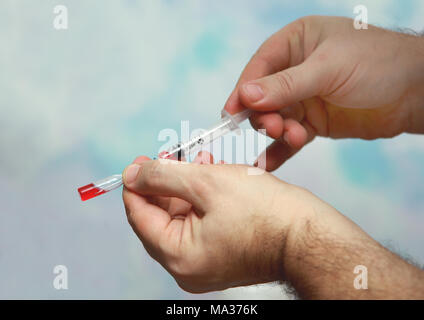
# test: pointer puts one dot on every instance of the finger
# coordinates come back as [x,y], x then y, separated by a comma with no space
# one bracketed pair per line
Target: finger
[317,113]
[274,155]
[179,207]
[289,129]
[280,150]
[275,54]
[295,111]
[163,202]
[175,206]
[141,159]
[204,157]
[272,122]
[294,134]
[147,220]
[169,178]
[283,88]
[165,155]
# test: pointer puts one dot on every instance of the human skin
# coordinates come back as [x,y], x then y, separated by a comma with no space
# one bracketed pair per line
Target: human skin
[215,226]
[321,77]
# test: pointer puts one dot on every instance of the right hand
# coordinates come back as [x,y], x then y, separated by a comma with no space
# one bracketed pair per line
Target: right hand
[319,76]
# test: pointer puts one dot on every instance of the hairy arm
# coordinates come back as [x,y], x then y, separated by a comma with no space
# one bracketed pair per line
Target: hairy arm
[330,257]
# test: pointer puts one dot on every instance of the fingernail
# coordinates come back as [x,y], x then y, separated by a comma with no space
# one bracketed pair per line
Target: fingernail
[131,173]
[253,91]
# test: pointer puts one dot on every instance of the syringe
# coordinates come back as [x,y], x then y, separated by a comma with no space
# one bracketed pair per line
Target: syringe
[179,151]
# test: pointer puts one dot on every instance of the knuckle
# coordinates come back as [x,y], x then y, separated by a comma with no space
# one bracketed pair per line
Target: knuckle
[152,176]
[307,20]
[205,184]
[285,82]
[298,26]
[261,57]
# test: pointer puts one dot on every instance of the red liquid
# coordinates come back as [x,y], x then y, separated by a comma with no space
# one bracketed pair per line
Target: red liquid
[89,191]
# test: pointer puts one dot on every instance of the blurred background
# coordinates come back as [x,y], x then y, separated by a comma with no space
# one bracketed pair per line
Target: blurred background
[80,104]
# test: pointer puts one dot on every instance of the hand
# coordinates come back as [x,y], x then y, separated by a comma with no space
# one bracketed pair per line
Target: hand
[211,226]
[319,76]
[215,226]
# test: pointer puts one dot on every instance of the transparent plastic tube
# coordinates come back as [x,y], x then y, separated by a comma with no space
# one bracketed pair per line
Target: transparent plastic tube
[228,123]
[95,189]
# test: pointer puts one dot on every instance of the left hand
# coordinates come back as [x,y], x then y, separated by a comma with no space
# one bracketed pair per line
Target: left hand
[215,226]
[211,226]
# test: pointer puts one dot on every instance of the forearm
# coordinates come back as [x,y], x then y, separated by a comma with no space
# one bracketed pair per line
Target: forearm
[326,249]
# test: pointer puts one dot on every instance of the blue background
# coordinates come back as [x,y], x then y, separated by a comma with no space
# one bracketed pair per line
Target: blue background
[80,104]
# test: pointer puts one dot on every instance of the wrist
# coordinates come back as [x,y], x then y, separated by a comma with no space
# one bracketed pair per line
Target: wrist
[294,213]
[302,220]
[316,245]
[274,235]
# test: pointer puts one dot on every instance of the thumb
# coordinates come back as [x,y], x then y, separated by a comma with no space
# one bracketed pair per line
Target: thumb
[282,89]
[168,178]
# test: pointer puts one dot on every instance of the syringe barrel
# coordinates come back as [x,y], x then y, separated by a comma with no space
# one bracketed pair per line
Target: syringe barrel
[183,149]
[109,183]
[228,123]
